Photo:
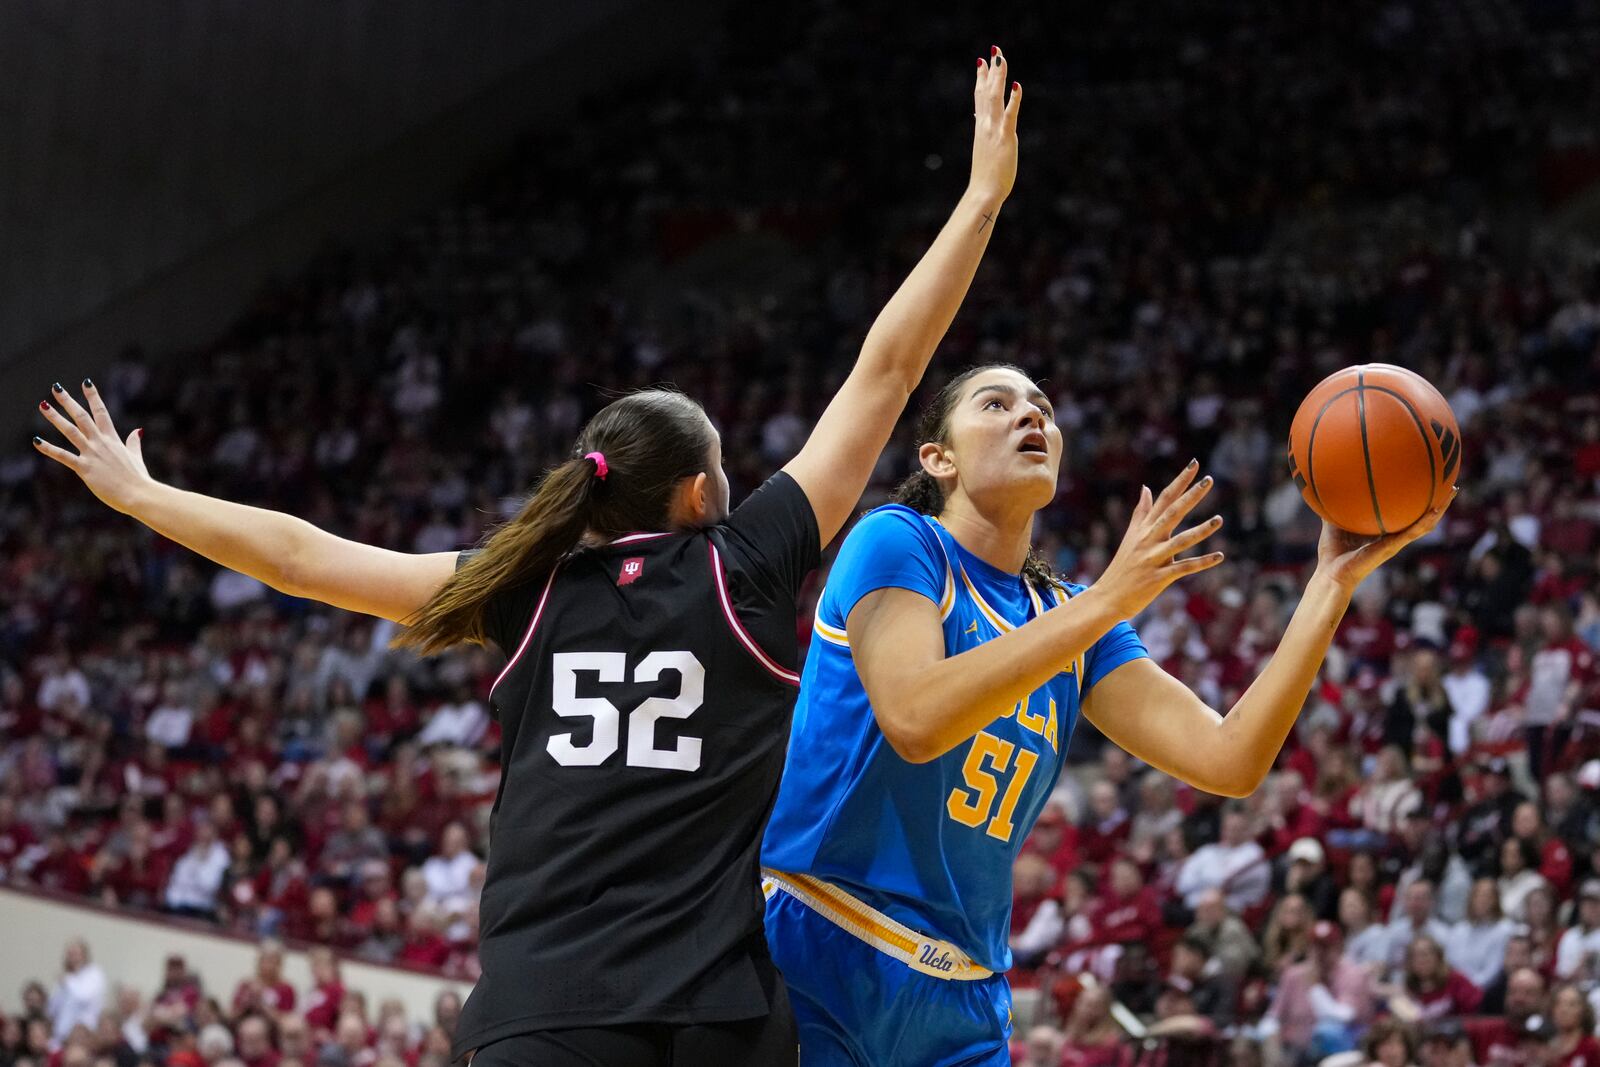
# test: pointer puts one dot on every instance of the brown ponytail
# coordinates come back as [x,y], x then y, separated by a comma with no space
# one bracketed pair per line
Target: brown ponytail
[651,441]
[922,492]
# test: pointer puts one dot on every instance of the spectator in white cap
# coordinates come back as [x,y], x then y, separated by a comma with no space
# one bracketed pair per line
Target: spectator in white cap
[1578,951]
[1308,875]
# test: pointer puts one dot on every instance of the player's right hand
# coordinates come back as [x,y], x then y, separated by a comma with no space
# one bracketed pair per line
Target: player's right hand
[994,139]
[112,468]
[1146,563]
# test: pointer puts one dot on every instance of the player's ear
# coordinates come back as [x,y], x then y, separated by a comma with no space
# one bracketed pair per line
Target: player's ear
[937,460]
[691,502]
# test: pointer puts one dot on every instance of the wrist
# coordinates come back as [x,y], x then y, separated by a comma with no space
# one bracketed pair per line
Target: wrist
[141,499]
[1324,582]
[983,196]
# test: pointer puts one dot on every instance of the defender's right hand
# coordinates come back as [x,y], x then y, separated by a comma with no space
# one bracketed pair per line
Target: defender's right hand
[112,468]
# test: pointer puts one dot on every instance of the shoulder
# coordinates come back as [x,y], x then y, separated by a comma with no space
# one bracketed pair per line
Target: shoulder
[894,524]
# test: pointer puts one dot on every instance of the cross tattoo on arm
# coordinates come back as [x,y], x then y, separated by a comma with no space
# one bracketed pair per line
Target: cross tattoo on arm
[988,217]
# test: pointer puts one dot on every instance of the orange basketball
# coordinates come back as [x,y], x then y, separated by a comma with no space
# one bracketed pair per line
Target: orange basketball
[1373,447]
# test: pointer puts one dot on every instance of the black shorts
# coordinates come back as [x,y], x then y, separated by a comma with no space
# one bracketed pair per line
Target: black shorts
[767,1041]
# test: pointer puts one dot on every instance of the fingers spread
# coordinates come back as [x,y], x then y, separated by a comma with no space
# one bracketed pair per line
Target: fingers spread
[1168,519]
[1194,535]
[1193,566]
[97,408]
[68,428]
[74,409]
[1176,487]
[55,452]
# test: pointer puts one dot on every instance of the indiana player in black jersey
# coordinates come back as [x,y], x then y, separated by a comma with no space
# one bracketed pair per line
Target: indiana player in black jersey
[645,704]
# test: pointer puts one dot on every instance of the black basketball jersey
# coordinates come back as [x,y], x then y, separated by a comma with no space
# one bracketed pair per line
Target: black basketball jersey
[645,712]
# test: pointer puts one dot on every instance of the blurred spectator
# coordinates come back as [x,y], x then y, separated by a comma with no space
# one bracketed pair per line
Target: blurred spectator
[197,876]
[266,990]
[1091,1037]
[1578,952]
[1519,876]
[80,993]
[1416,920]
[1234,864]
[1322,1002]
[1477,944]
[449,874]
[1573,1043]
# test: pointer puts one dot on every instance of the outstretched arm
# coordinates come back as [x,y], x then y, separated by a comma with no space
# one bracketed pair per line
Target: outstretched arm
[1158,719]
[927,703]
[287,553]
[838,458]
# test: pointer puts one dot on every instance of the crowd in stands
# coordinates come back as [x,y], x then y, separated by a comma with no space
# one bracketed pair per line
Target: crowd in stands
[1216,208]
[86,1020]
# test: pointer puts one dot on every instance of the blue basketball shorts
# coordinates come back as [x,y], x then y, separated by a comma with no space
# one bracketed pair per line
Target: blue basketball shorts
[858,1007]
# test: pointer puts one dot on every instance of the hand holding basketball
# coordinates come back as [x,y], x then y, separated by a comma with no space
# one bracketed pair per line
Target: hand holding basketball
[1348,558]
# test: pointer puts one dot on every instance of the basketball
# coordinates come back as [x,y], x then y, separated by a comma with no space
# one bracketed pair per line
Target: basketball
[1373,447]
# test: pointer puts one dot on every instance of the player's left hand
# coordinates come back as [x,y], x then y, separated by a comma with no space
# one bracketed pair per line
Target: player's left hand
[1348,558]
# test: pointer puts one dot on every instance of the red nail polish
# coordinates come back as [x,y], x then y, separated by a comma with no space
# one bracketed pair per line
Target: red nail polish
[44,405]
[994,50]
[1015,86]
[139,433]
[982,63]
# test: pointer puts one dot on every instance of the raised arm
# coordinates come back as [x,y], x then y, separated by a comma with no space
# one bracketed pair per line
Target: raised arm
[287,553]
[1160,720]
[838,458]
[927,703]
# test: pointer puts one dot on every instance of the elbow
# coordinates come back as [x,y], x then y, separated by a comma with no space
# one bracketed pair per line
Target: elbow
[1236,783]
[901,731]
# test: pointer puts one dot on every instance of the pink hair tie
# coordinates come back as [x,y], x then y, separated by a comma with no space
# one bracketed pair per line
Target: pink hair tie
[600,468]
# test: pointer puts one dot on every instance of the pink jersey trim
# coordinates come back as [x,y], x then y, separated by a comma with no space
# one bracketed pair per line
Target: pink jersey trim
[533,624]
[631,538]
[738,628]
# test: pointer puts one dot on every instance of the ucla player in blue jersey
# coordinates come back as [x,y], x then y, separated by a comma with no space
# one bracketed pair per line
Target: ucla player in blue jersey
[946,673]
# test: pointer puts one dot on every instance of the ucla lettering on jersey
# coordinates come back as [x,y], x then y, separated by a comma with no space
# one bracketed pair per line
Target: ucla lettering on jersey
[930,845]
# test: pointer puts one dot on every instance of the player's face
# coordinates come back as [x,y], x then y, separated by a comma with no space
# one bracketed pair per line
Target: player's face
[1003,440]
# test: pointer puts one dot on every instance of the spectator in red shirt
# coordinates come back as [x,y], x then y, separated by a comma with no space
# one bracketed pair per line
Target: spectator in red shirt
[326,998]
[1436,989]
[1497,1039]
[1105,825]
[1366,635]
[1128,914]
[1092,1038]
[1555,859]
[1573,1044]
[266,990]
[426,944]
[1055,839]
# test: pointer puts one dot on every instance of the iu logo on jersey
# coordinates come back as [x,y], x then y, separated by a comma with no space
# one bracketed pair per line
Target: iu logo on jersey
[631,569]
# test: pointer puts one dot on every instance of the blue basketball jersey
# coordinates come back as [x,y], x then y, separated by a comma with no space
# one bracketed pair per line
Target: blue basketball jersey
[930,845]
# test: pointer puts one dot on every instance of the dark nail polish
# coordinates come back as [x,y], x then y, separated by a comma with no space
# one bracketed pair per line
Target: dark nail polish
[38,440]
[87,384]
[1206,480]
[57,388]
